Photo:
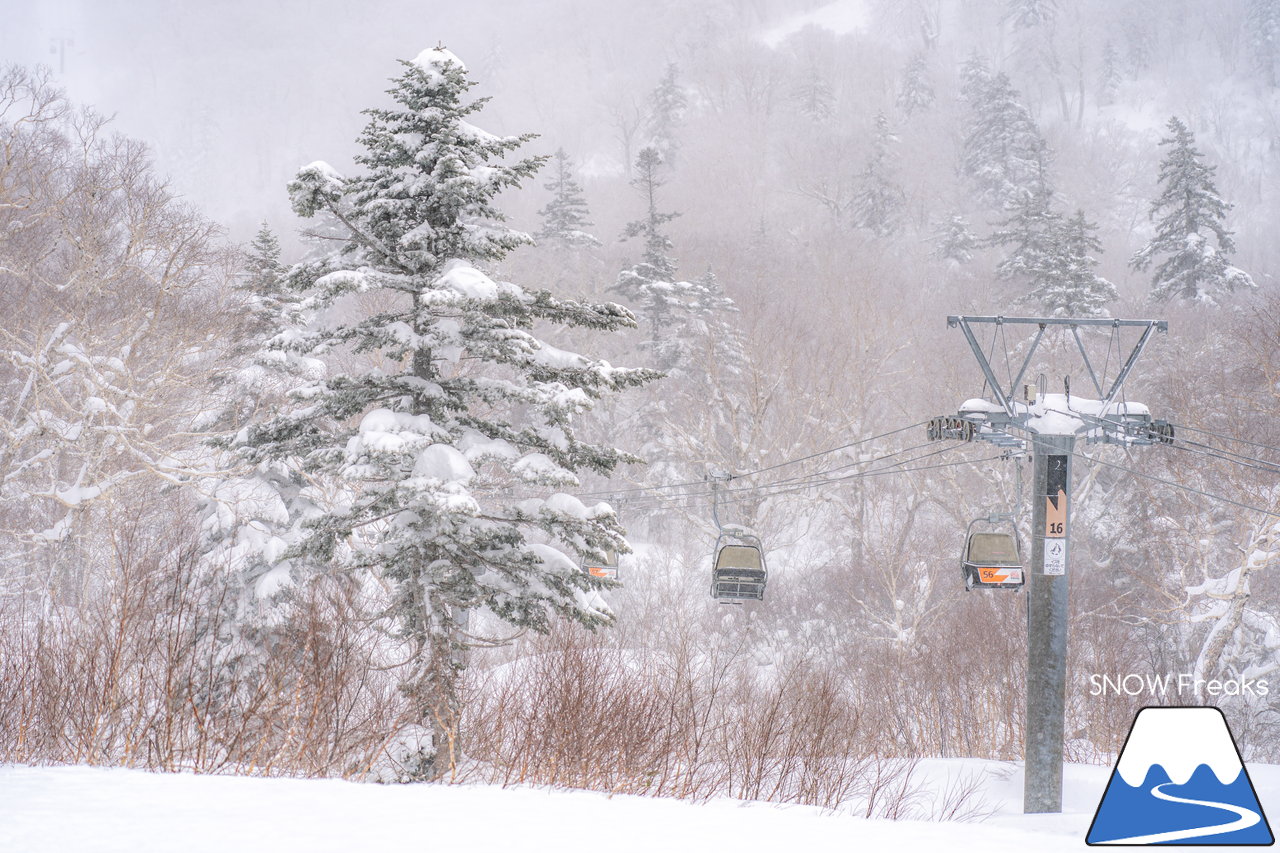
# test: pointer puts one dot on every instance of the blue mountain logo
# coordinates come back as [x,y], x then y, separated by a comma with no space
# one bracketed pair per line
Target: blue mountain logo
[1180,780]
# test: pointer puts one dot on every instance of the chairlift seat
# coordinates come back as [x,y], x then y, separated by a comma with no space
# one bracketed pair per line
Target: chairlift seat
[992,560]
[739,573]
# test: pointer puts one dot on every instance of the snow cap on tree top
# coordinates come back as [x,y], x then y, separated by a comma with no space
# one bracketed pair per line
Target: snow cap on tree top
[434,60]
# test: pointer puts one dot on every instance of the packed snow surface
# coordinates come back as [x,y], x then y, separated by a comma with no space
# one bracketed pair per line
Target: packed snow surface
[92,810]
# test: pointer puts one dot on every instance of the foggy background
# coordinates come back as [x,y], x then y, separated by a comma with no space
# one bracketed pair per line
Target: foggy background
[235,96]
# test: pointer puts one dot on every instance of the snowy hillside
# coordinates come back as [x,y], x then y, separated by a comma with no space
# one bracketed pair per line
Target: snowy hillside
[43,810]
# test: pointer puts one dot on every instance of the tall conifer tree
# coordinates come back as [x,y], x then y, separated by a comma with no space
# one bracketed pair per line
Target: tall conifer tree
[453,405]
[651,285]
[565,218]
[880,199]
[1189,217]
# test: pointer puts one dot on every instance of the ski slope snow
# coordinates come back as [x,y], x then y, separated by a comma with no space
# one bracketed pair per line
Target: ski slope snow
[94,810]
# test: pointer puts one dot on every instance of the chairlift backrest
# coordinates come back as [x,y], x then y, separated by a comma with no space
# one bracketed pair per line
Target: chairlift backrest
[739,557]
[606,569]
[993,549]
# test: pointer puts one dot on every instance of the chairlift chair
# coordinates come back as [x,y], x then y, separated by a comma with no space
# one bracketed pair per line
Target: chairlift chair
[739,572]
[608,568]
[992,559]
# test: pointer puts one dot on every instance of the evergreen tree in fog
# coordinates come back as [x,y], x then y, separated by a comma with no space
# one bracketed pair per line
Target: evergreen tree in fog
[916,93]
[1190,231]
[880,199]
[650,285]
[565,218]
[1002,148]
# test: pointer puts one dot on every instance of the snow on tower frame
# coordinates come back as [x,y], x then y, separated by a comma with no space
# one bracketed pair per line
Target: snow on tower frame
[1104,419]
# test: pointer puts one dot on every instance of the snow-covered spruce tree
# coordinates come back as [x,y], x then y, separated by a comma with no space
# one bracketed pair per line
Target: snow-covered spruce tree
[1073,288]
[1026,14]
[264,276]
[953,240]
[253,511]
[250,512]
[1030,234]
[650,285]
[975,78]
[813,96]
[710,317]
[565,218]
[1262,31]
[916,93]
[453,406]
[879,201]
[1003,148]
[667,105]
[691,421]
[1188,214]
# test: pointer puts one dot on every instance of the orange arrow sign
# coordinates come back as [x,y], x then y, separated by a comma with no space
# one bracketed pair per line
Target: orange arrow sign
[1055,517]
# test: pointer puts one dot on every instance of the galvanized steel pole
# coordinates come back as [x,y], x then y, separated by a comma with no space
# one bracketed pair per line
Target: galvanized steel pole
[1047,612]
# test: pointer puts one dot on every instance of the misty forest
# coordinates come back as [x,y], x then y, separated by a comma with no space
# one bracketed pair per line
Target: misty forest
[376,407]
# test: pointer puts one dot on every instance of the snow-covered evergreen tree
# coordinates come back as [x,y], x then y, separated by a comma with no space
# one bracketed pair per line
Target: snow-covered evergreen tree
[880,199]
[1026,14]
[813,96]
[975,78]
[1189,217]
[1073,288]
[565,218]
[1110,77]
[263,270]
[953,240]
[916,93]
[253,512]
[1030,233]
[688,420]
[1262,28]
[450,404]
[650,285]
[667,105]
[1003,150]
[711,316]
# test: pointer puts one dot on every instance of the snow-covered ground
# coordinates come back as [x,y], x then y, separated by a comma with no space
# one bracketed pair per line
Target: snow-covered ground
[64,809]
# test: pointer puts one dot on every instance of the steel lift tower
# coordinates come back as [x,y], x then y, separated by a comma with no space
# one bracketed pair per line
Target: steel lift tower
[1051,423]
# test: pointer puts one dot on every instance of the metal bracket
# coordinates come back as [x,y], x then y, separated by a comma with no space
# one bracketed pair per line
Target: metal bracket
[990,427]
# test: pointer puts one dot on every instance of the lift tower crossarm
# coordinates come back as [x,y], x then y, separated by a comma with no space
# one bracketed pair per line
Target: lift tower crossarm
[956,319]
[1004,397]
